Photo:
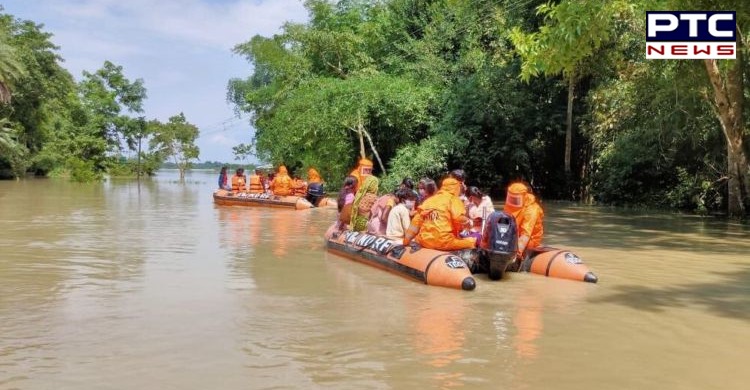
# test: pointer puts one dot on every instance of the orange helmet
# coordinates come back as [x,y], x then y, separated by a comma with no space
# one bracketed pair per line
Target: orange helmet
[518,197]
[451,185]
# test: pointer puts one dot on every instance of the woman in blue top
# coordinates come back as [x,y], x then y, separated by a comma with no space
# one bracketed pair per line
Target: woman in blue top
[223,179]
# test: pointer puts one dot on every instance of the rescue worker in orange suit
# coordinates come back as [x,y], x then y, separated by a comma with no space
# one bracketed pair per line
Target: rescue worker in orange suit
[313,176]
[282,183]
[439,220]
[238,180]
[255,185]
[299,186]
[522,204]
[361,172]
[315,187]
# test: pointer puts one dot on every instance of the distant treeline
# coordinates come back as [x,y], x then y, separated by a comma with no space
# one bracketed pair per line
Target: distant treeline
[216,165]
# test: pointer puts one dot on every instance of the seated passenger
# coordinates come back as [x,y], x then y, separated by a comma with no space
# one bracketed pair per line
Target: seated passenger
[522,204]
[364,199]
[480,205]
[439,220]
[345,202]
[223,180]
[282,183]
[379,214]
[399,218]
[426,188]
[460,175]
[299,187]
[255,186]
[269,179]
[238,180]
[313,176]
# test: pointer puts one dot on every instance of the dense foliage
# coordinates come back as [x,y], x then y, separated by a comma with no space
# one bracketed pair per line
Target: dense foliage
[556,93]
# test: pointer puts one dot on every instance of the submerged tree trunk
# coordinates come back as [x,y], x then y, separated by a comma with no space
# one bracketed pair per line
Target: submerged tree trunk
[728,98]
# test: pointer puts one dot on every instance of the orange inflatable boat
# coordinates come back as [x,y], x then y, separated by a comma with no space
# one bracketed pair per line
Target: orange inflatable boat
[328,203]
[229,198]
[429,266]
[557,263]
[420,263]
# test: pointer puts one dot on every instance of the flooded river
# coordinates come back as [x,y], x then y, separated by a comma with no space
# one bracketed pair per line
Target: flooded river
[119,286]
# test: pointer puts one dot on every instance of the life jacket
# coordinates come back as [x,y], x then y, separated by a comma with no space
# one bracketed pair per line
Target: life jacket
[256,185]
[238,183]
[500,233]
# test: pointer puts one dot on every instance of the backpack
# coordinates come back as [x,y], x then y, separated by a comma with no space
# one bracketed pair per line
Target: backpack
[500,233]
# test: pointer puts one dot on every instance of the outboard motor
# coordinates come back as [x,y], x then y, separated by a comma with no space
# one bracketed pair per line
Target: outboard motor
[499,243]
[315,192]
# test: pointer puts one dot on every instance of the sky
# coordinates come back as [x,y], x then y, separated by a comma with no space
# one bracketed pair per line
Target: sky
[182,49]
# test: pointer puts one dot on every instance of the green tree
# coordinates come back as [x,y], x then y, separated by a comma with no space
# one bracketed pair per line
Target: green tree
[105,94]
[176,140]
[10,68]
[569,40]
[11,149]
[137,132]
[317,94]
[41,88]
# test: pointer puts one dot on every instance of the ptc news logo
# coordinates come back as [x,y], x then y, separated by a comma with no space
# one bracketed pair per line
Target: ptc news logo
[691,35]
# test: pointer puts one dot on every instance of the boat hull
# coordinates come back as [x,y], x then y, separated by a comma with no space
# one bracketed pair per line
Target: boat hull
[429,266]
[229,198]
[558,263]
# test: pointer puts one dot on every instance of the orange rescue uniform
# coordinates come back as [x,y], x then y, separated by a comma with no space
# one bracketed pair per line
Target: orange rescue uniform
[439,219]
[282,183]
[313,176]
[528,214]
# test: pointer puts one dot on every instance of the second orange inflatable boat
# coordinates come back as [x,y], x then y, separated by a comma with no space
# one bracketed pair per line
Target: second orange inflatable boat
[229,198]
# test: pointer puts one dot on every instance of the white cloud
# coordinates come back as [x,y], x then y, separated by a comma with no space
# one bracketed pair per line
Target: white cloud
[222,140]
